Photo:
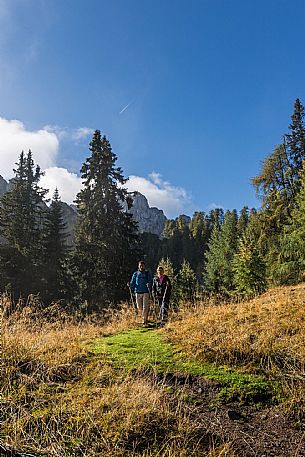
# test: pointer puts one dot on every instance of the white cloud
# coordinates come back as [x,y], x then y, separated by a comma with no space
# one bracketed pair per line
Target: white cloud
[70,134]
[82,132]
[160,193]
[60,132]
[44,144]
[67,183]
[215,206]
[15,138]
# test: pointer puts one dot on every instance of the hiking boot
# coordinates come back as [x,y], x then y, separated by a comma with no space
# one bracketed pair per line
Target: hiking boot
[161,324]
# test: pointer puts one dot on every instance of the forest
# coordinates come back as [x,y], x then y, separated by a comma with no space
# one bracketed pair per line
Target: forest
[232,253]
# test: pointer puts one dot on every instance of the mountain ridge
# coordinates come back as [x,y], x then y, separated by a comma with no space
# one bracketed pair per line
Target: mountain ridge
[150,219]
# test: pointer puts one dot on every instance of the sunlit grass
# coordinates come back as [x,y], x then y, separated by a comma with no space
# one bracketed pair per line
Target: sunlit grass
[265,335]
[146,349]
[59,397]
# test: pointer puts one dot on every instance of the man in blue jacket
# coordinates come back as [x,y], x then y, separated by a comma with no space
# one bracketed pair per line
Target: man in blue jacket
[141,283]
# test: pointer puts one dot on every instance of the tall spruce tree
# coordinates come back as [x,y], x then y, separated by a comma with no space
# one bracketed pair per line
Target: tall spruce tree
[249,269]
[106,248]
[186,283]
[278,186]
[152,247]
[218,274]
[296,140]
[290,262]
[200,232]
[22,212]
[243,221]
[55,251]
[211,274]
[276,189]
[177,244]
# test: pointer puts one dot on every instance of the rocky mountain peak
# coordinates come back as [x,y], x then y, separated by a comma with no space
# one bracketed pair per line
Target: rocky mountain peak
[149,219]
[3,186]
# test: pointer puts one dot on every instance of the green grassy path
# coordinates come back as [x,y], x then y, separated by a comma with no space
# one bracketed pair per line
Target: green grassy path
[146,348]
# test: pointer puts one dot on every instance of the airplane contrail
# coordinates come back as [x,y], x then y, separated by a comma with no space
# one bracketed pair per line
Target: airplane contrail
[125,108]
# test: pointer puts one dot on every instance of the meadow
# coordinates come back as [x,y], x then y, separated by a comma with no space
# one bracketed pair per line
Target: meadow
[221,379]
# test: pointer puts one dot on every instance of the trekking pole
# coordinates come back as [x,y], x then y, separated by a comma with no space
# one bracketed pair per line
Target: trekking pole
[164,292]
[163,298]
[154,314]
[132,301]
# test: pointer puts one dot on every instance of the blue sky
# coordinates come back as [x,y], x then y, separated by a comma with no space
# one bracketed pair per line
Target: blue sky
[208,86]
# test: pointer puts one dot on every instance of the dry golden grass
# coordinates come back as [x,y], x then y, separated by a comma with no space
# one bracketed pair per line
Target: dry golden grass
[268,331]
[266,334]
[58,399]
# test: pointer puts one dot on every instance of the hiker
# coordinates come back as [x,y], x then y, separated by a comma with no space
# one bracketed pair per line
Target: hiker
[161,290]
[141,283]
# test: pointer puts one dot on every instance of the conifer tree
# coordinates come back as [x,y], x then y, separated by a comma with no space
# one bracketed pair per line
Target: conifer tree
[296,140]
[216,216]
[243,221]
[22,208]
[276,189]
[211,275]
[22,212]
[168,268]
[106,247]
[178,244]
[55,250]
[218,274]
[151,246]
[186,283]
[200,232]
[278,186]
[249,268]
[279,181]
[290,262]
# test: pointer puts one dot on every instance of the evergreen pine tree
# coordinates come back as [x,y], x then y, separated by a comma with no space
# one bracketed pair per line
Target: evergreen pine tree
[186,283]
[243,221]
[249,268]
[216,216]
[218,275]
[55,251]
[200,232]
[296,140]
[211,274]
[178,243]
[22,212]
[278,186]
[290,261]
[276,189]
[106,247]
[168,268]
[151,245]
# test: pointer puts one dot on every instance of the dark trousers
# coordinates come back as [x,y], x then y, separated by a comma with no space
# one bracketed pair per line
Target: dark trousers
[163,308]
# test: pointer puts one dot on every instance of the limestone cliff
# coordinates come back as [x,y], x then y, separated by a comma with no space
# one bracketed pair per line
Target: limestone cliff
[3,186]
[149,219]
